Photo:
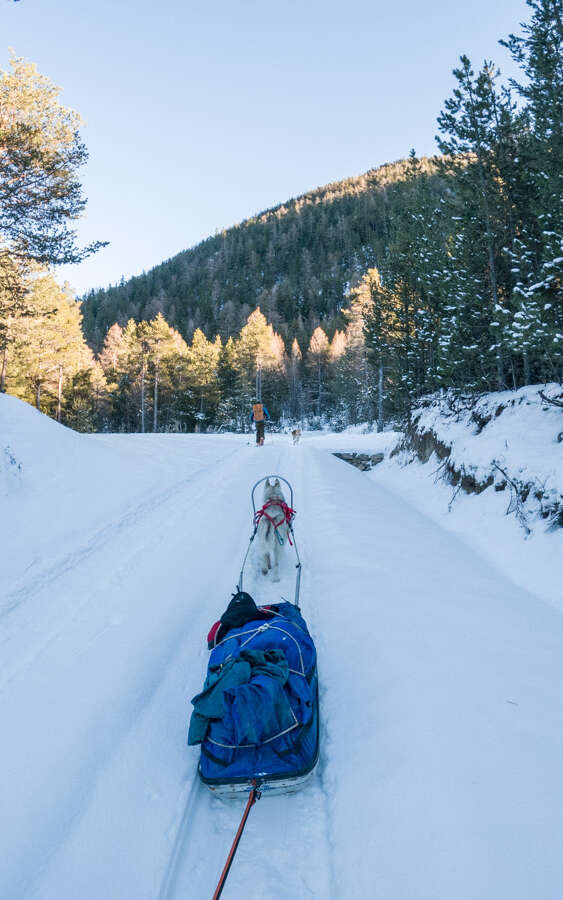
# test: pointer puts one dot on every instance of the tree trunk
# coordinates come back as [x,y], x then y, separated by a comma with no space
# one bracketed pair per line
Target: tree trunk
[155,404]
[380,400]
[492,274]
[492,265]
[60,394]
[38,395]
[526,361]
[514,385]
[4,370]
[143,396]
[259,381]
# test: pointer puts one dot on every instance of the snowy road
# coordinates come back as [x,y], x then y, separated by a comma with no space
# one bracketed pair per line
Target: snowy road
[440,771]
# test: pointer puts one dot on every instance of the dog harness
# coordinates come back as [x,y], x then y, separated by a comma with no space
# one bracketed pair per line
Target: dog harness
[288,514]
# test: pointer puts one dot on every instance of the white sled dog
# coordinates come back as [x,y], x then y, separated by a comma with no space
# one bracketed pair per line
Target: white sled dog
[272,540]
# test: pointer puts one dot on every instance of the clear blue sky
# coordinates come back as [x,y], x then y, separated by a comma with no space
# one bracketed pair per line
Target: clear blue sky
[200,113]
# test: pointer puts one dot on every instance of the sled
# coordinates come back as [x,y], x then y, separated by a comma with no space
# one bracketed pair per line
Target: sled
[257,719]
[283,757]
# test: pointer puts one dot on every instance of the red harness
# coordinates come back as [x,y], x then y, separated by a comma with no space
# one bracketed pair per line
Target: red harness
[288,514]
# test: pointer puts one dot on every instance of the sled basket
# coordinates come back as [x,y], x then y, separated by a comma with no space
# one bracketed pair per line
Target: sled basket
[261,699]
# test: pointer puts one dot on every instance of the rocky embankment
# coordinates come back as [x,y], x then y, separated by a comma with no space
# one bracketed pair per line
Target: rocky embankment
[509,441]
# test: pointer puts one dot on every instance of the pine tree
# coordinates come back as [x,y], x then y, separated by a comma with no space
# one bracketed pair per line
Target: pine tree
[295,376]
[87,401]
[40,195]
[160,346]
[130,395]
[14,277]
[231,410]
[109,354]
[69,347]
[202,374]
[318,361]
[355,382]
[259,353]
[384,337]
[48,345]
[468,125]
[537,325]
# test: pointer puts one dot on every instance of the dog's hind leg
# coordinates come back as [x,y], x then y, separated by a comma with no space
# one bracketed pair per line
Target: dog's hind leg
[266,564]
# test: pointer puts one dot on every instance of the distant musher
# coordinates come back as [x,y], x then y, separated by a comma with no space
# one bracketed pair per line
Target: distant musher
[259,415]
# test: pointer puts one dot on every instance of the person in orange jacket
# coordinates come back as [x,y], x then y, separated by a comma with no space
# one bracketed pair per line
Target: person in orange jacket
[259,415]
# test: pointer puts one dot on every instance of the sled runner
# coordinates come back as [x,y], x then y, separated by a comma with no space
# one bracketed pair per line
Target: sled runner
[257,717]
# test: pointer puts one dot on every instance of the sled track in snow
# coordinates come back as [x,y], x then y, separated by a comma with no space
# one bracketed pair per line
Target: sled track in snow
[279,816]
[177,856]
[207,824]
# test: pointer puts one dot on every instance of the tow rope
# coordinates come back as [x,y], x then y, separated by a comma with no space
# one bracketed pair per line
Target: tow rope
[288,515]
[254,795]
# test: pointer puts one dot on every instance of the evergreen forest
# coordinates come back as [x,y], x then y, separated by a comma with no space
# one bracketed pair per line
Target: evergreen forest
[342,306]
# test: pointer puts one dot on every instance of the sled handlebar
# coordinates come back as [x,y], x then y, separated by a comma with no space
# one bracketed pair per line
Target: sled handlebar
[265,478]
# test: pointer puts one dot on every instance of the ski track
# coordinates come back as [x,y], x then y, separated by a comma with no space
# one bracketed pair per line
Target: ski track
[44,577]
[27,598]
[133,821]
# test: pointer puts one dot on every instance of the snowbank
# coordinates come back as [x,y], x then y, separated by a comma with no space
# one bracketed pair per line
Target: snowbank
[492,472]
[512,440]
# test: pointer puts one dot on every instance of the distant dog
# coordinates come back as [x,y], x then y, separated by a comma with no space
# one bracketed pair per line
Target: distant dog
[296,435]
[272,529]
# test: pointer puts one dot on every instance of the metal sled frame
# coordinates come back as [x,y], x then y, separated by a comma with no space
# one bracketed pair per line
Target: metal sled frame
[290,527]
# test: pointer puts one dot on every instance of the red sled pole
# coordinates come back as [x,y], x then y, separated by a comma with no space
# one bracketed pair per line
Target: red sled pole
[252,798]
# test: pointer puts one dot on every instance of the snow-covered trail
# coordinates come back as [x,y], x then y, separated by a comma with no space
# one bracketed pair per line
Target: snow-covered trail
[442,736]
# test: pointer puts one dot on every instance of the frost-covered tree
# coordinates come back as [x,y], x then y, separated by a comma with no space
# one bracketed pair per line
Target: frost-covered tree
[469,137]
[537,325]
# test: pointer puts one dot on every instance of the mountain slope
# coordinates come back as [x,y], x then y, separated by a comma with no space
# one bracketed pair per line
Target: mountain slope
[294,261]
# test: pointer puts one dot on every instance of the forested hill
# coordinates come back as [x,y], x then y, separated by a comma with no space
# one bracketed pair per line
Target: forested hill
[295,261]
